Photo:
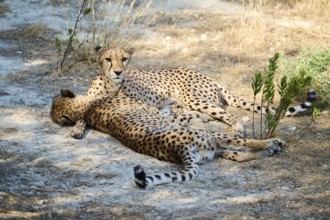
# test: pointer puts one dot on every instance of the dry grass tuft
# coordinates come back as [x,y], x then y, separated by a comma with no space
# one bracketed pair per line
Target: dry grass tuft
[317,9]
[38,31]
[29,32]
[110,23]
[114,23]
[4,8]
[259,33]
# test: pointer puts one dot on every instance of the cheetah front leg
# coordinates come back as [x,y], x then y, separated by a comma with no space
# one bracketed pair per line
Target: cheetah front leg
[78,129]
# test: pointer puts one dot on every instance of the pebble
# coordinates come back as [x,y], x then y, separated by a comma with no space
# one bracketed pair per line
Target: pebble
[246,118]
[103,182]
[185,50]
[203,37]
[39,184]
[292,128]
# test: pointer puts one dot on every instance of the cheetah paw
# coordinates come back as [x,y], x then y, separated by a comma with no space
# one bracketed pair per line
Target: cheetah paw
[275,146]
[77,133]
[239,128]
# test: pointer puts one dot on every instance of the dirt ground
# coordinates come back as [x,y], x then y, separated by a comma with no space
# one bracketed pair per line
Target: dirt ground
[46,174]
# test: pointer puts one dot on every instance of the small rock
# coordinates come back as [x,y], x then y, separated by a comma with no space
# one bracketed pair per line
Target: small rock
[41,202]
[203,37]
[245,119]
[185,50]
[325,112]
[103,182]
[38,184]
[168,38]
[292,128]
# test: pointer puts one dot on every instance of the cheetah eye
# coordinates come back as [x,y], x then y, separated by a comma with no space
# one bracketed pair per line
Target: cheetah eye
[108,59]
[123,59]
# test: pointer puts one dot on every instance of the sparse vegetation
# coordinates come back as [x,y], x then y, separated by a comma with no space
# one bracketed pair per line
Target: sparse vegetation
[28,32]
[72,43]
[107,23]
[4,8]
[255,34]
[303,8]
[288,88]
[39,178]
[316,64]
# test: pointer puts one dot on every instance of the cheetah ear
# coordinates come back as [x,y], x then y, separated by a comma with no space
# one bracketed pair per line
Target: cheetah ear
[97,48]
[67,93]
[131,51]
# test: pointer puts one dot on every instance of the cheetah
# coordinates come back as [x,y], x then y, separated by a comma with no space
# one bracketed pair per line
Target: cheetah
[146,130]
[172,90]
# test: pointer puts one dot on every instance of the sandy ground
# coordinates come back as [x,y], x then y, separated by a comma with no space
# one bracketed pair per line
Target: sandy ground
[46,174]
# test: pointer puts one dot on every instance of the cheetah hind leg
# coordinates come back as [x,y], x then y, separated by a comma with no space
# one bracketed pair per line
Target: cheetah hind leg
[190,170]
[79,129]
[247,155]
[224,140]
[266,148]
[253,148]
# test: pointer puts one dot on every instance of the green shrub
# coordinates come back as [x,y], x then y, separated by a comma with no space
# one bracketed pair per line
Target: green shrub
[288,88]
[315,64]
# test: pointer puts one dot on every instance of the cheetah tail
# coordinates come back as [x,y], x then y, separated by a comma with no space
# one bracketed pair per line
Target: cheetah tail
[143,180]
[311,97]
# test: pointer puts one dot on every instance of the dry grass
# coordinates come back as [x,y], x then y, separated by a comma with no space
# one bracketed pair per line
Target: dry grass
[121,30]
[302,8]
[38,31]
[29,32]
[210,43]
[234,46]
[111,23]
[4,8]
[316,9]
[260,34]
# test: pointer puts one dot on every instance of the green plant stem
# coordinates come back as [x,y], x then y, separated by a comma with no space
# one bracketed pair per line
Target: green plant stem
[253,108]
[69,45]
[261,118]
[78,48]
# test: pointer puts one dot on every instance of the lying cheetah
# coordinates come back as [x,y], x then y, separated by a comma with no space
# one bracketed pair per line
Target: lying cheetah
[146,130]
[165,88]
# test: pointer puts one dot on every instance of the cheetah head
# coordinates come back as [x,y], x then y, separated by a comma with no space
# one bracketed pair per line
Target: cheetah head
[114,61]
[67,108]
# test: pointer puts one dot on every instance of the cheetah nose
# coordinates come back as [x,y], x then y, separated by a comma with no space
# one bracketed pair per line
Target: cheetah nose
[118,72]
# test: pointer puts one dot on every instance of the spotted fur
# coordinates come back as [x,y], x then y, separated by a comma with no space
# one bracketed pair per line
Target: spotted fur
[172,89]
[146,130]
[126,105]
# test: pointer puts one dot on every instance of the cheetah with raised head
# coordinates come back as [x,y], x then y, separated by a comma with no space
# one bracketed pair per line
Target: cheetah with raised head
[146,130]
[171,90]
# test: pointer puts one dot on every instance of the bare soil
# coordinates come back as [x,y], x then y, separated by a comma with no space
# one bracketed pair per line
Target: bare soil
[46,174]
